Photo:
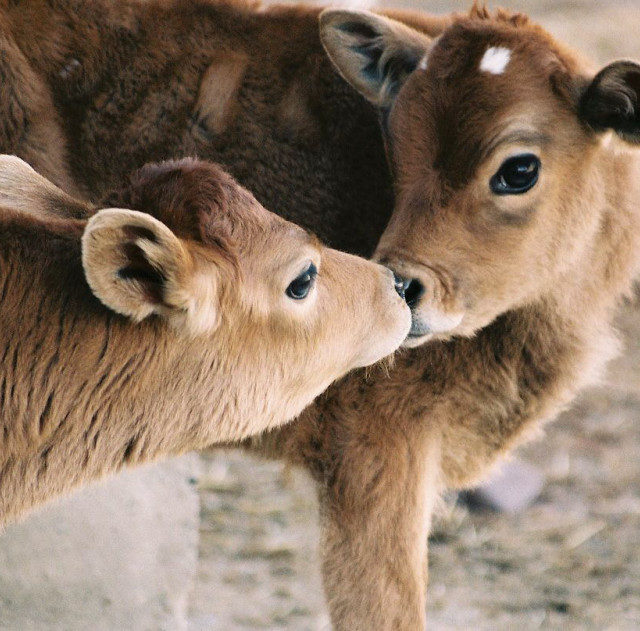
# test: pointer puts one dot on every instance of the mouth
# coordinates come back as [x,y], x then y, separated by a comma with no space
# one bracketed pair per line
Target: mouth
[413,341]
[419,328]
[438,325]
[419,333]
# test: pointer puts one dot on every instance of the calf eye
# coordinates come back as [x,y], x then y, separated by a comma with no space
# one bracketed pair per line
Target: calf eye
[300,287]
[517,175]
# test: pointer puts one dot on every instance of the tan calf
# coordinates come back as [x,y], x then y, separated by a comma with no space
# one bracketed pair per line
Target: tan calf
[514,221]
[236,319]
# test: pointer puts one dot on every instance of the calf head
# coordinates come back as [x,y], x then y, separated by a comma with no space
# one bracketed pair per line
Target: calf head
[494,137]
[289,315]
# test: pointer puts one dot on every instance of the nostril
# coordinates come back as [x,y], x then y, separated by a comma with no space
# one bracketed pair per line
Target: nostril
[413,291]
[400,285]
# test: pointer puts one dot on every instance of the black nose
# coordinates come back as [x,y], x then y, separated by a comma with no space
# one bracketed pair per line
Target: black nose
[413,291]
[400,284]
[409,289]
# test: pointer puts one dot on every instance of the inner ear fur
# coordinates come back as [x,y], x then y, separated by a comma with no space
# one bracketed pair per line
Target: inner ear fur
[612,101]
[137,266]
[374,54]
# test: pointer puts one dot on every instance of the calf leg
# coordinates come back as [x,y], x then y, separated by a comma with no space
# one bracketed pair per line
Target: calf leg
[374,529]
[378,475]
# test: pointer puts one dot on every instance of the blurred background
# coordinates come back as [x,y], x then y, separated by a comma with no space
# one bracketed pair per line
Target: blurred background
[569,560]
[223,541]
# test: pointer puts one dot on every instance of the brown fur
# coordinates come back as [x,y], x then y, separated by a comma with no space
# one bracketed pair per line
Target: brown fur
[223,79]
[85,391]
[534,279]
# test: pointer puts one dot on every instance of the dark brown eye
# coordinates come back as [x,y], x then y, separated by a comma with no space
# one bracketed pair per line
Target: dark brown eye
[517,175]
[299,288]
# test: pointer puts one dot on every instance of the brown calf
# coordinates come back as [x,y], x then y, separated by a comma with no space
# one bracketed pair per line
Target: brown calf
[515,221]
[244,334]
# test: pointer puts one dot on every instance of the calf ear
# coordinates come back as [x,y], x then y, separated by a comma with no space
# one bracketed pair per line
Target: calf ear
[24,190]
[373,53]
[612,101]
[136,266]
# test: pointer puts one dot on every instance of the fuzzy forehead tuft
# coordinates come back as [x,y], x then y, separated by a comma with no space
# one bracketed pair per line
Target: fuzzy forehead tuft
[480,12]
[495,60]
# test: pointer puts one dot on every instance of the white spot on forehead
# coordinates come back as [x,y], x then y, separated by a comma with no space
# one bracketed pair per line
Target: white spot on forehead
[423,63]
[495,60]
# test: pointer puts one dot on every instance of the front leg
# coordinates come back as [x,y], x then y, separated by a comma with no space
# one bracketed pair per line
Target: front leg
[378,472]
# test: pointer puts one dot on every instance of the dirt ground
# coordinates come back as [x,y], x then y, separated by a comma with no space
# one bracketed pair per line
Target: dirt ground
[570,561]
